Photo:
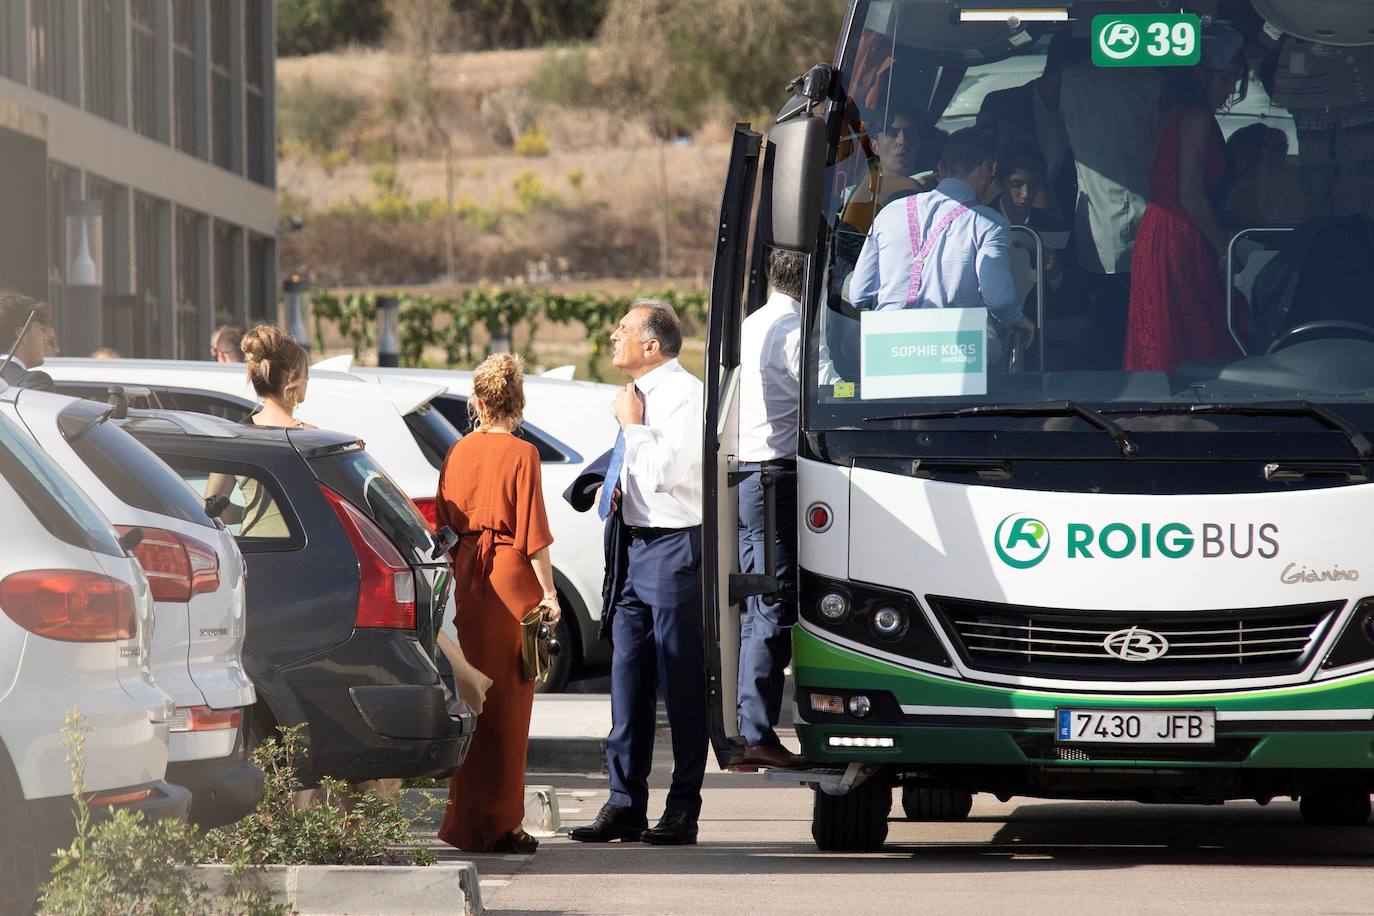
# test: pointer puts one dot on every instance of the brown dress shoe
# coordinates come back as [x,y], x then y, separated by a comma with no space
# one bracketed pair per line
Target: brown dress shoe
[775,756]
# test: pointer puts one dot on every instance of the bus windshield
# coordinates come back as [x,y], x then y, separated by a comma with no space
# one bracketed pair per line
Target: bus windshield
[1014,220]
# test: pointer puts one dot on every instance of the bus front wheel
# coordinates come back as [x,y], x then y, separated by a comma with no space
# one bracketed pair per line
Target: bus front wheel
[922,804]
[855,821]
[1335,808]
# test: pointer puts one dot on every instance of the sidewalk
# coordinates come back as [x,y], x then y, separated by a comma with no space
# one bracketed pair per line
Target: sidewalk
[568,733]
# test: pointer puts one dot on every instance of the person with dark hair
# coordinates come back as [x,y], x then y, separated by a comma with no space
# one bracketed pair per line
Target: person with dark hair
[652,491]
[770,386]
[21,358]
[226,344]
[1020,177]
[1178,301]
[1265,188]
[1031,112]
[907,151]
[942,249]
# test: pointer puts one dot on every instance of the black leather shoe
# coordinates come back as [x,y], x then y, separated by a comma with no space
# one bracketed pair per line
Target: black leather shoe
[612,823]
[674,828]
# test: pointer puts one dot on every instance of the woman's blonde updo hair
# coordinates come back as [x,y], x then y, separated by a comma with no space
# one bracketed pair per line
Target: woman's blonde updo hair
[274,360]
[499,386]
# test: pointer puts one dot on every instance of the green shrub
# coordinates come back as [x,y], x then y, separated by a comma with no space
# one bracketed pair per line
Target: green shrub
[315,116]
[564,78]
[312,26]
[344,827]
[126,866]
[531,193]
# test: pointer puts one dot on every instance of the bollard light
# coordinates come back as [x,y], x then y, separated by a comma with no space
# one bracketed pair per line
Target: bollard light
[388,351]
[295,287]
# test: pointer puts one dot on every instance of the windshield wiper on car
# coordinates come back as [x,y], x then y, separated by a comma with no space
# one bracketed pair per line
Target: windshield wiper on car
[1319,412]
[1128,446]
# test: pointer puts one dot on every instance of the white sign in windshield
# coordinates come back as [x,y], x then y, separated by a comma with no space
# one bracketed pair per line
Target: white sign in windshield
[907,353]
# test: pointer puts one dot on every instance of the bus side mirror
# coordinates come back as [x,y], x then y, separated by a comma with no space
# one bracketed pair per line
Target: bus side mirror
[798,181]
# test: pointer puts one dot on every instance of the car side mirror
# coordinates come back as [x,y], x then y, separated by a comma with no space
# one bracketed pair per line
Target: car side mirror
[799,150]
[130,539]
[215,505]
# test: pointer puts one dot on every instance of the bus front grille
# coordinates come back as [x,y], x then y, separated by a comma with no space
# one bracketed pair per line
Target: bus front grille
[1132,645]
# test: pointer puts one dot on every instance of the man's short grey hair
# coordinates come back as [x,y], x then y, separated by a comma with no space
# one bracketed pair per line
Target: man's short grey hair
[661,324]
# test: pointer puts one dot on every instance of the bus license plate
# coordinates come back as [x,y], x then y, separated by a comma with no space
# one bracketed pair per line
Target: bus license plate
[1110,726]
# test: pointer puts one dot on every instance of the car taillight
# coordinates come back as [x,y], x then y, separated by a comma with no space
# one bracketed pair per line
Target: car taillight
[70,605]
[426,506]
[205,719]
[177,566]
[386,584]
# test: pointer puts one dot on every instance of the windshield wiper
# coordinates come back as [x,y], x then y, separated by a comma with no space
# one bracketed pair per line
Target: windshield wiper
[1128,446]
[1319,412]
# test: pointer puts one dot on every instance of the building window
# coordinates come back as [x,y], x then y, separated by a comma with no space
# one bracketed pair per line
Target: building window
[228,276]
[262,299]
[143,52]
[221,25]
[102,82]
[184,76]
[188,285]
[148,261]
[47,50]
[255,79]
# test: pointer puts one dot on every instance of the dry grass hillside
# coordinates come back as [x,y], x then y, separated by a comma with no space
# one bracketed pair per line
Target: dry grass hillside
[546,179]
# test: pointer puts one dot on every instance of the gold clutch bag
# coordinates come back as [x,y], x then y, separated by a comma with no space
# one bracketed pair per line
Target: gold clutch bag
[537,645]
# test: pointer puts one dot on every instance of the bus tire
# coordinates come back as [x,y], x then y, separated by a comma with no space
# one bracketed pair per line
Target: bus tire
[922,804]
[1335,808]
[855,821]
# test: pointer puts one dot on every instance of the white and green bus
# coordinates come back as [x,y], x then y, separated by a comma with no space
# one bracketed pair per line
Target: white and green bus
[1054,572]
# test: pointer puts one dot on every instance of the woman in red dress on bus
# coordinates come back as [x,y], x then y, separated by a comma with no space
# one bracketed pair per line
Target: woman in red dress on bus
[1178,302]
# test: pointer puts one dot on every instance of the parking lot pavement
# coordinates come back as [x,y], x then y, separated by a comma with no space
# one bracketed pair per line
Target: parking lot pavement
[755,854]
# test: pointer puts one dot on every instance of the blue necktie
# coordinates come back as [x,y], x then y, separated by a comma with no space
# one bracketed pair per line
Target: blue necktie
[603,508]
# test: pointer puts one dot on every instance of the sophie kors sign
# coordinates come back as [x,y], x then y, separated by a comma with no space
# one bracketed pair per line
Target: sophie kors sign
[1163,40]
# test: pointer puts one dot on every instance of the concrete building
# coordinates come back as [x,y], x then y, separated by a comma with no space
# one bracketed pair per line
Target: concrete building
[137,168]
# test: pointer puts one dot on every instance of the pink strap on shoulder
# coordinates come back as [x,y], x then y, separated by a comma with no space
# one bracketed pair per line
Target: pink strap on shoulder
[920,252]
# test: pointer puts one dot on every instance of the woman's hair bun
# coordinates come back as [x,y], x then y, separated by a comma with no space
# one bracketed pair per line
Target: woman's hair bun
[273,358]
[499,384]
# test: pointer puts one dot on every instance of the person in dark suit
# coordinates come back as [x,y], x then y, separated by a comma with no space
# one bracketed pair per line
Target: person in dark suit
[1031,112]
[25,356]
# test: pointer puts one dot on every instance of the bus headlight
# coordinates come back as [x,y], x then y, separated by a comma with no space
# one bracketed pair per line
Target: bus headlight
[889,623]
[834,606]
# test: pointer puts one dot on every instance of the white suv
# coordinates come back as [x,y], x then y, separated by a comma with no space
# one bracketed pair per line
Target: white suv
[197,578]
[76,613]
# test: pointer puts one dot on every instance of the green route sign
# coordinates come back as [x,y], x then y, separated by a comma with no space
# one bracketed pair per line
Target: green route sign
[1147,40]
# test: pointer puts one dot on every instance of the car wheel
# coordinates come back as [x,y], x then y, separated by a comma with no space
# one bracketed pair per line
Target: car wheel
[1335,808]
[561,665]
[855,821]
[18,858]
[921,804]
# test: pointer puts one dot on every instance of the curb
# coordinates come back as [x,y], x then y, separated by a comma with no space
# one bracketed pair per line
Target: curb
[566,755]
[361,890]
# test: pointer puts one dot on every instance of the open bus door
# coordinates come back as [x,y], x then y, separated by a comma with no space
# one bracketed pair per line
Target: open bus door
[720,554]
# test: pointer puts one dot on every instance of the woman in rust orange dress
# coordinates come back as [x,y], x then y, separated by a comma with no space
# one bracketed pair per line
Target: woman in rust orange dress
[490,494]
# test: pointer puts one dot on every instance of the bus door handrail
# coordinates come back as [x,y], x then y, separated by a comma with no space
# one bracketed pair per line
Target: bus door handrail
[1231,277]
[1016,365]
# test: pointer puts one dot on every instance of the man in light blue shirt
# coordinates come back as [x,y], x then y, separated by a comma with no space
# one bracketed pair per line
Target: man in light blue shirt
[941,249]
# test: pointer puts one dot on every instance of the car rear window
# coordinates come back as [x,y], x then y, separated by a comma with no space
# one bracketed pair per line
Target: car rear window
[455,409]
[433,433]
[133,474]
[51,495]
[355,476]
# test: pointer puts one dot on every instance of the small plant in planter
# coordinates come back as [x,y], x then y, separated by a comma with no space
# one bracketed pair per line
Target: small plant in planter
[341,826]
[128,865]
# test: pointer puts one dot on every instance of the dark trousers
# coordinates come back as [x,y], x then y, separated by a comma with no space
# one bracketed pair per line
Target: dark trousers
[765,629]
[1111,298]
[657,639]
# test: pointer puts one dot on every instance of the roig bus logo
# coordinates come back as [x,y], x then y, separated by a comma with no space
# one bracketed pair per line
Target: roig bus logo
[1021,541]
[1119,40]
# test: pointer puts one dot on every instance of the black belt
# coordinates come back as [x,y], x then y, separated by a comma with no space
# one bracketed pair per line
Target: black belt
[784,463]
[649,534]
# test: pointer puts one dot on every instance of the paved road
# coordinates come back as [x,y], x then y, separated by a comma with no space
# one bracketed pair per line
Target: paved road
[756,856]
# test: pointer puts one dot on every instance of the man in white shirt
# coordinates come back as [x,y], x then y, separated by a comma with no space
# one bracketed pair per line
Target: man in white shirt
[942,249]
[655,626]
[769,406]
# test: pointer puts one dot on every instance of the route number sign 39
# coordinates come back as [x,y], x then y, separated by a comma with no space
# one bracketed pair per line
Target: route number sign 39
[1163,40]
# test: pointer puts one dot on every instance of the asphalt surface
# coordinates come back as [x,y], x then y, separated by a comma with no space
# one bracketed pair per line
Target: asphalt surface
[755,855]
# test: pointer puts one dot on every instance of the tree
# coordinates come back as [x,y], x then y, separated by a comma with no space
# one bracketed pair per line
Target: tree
[312,26]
